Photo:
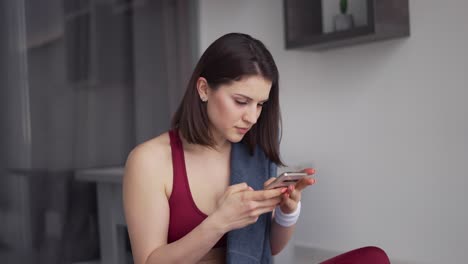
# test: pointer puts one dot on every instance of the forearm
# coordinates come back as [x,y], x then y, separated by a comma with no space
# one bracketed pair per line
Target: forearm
[191,248]
[279,236]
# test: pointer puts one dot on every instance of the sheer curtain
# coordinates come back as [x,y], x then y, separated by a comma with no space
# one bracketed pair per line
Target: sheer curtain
[166,50]
[81,83]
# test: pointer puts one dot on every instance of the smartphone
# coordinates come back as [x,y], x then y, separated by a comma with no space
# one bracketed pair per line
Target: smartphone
[286,179]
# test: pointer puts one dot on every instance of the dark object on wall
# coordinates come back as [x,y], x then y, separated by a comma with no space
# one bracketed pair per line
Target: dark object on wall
[386,19]
[343,21]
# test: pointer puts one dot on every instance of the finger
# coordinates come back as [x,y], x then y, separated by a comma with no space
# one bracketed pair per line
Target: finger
[270,202]
[265,194]
[303,183]
[309,171]
[238,187]
[269,181]
[295,195]
[262,210]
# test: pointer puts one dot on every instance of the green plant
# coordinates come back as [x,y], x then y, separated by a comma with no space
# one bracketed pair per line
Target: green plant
[343,6]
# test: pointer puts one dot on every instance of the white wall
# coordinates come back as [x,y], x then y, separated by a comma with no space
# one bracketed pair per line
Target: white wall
[383,123]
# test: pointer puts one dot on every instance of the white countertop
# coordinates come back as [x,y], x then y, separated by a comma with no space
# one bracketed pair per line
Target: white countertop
[108,174]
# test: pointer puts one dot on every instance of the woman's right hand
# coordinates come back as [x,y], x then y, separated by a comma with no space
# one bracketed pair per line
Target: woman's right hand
[241,205]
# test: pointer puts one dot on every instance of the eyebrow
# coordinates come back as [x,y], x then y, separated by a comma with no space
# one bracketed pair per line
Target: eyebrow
[246,97]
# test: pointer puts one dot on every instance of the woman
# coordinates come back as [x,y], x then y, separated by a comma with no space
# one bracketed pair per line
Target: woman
[181,202]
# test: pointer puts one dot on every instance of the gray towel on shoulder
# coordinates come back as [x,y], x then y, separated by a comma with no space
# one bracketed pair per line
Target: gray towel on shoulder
[251,244]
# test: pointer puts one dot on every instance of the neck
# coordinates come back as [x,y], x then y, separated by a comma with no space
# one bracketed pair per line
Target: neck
[222,146]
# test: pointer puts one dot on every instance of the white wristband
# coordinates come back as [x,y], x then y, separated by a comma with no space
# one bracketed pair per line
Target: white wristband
[287,220]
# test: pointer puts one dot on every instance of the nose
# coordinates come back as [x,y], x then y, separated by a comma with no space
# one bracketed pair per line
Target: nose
[251,115]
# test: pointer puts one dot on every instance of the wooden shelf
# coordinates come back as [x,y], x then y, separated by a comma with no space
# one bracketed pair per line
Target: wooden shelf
[305,27]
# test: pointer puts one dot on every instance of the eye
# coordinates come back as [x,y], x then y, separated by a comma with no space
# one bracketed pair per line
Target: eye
[241,102]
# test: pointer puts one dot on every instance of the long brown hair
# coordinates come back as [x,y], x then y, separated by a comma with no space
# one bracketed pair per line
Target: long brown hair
[231,58]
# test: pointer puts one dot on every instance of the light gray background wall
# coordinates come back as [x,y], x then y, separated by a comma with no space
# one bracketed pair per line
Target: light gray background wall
[383,123]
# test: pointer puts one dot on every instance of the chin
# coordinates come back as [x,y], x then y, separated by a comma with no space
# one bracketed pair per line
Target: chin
[235,138]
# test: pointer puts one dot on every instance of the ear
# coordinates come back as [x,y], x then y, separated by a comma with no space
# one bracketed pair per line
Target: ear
[203,89]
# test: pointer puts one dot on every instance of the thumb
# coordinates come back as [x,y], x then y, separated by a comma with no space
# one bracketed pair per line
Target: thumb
[269,181]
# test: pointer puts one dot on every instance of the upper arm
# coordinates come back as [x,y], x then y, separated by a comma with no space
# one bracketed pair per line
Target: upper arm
[145,202]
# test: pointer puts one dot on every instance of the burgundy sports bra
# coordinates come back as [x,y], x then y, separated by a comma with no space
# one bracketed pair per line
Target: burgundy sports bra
[184,213]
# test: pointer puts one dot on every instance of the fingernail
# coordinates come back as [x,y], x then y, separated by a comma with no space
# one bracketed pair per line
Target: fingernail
[283,190]
[250,188]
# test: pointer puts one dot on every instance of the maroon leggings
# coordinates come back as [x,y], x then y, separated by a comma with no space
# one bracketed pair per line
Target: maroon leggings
[365,255]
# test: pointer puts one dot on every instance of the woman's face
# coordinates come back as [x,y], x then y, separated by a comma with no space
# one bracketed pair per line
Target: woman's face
[235,107]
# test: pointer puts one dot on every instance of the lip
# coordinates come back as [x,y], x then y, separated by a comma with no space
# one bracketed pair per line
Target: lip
[242,130]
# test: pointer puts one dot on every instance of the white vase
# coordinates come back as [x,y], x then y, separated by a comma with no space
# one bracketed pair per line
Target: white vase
[343,22]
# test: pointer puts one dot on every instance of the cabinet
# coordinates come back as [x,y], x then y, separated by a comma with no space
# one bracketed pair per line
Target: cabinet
[313,24]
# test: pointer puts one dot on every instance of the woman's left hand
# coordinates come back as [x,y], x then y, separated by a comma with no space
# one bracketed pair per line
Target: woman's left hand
[292,196]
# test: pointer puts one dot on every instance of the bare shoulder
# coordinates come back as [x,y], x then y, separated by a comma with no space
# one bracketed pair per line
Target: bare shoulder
[146,206]
[150,161]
